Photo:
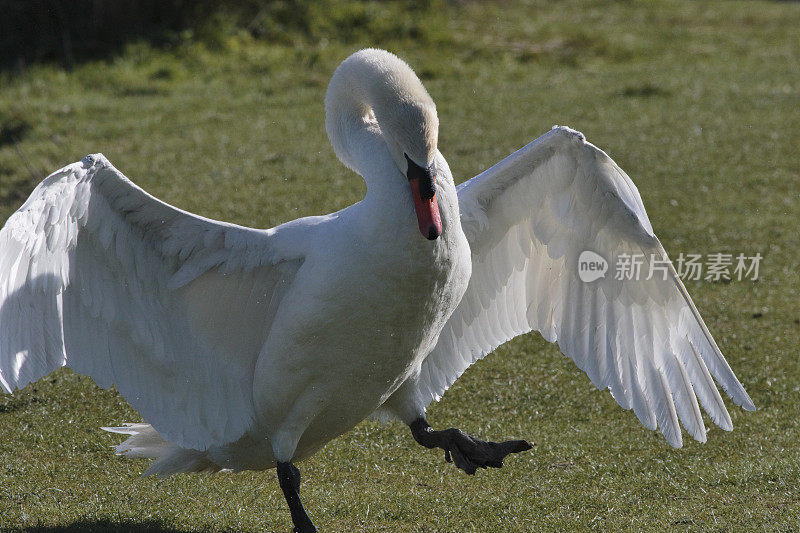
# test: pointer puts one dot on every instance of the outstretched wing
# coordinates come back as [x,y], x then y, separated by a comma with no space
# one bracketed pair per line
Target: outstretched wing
[169,307]
[528,219]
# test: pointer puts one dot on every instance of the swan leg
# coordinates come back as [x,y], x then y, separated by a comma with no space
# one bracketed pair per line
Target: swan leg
[468,453]
[289,480]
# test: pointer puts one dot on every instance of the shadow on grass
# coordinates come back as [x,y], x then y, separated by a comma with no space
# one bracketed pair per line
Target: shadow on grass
[16,404]
[104,525]
[79,30]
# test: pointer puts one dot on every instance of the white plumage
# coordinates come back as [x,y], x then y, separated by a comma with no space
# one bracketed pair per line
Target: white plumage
[242,347]
[527,220]
[100,276]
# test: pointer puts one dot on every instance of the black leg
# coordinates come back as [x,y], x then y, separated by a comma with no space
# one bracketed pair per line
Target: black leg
[468,453]
[289,479]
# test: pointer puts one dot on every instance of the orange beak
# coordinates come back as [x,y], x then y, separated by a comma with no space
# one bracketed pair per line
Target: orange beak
[423,187]
[430,222]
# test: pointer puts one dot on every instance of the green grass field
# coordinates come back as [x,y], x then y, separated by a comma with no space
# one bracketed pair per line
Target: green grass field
[698,101]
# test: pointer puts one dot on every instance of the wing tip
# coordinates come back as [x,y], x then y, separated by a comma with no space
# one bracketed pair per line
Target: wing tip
[748,404]
[98,160]
[675,440]
[737,392]
[569,133]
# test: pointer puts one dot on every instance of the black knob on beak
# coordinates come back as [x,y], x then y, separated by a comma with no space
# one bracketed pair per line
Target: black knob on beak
[427,180]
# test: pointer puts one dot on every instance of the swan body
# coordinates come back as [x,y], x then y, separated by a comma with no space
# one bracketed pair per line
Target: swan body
[246,348]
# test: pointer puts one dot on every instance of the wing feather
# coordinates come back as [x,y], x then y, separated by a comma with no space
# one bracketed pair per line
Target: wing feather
[527,220]
[169,307]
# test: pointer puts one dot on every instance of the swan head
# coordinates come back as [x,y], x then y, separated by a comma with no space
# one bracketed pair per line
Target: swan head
[376,91]
[410,128]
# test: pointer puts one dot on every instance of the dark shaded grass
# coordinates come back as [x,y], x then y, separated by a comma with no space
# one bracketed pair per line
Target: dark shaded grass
[103,526]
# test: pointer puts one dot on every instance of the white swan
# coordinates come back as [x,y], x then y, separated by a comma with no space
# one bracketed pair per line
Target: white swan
[246,348]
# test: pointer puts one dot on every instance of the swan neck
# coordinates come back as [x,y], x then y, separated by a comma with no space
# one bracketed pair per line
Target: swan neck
[375,103]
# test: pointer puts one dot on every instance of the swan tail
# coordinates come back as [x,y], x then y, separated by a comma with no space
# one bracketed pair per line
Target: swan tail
[145,442]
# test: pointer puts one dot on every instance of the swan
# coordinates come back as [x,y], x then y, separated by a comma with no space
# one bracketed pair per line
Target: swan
[246,348]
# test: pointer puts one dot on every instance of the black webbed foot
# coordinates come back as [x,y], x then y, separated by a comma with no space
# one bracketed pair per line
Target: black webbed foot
[468,453]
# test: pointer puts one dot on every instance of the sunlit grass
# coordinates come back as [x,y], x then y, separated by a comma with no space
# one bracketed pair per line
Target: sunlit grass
[697,101]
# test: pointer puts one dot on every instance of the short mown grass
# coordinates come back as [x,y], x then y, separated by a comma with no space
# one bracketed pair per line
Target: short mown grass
[697,101]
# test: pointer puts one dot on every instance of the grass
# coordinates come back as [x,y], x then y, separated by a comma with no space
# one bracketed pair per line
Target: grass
[697,101]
